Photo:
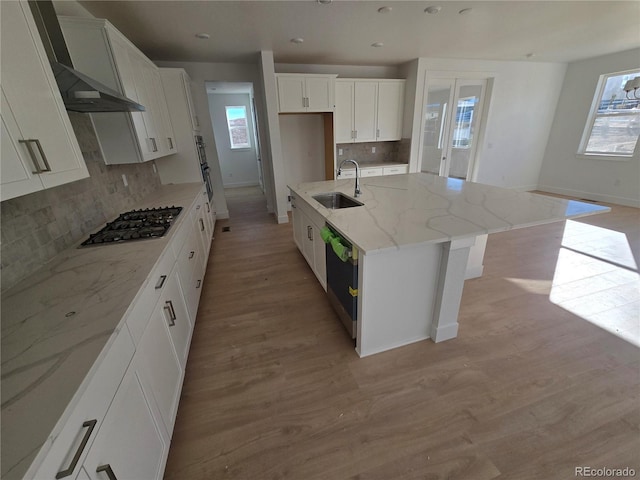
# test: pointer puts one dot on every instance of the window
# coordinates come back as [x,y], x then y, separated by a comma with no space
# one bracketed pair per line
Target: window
[238,127]
[614,122]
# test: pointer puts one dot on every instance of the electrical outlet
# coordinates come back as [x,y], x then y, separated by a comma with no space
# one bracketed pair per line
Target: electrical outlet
[124,180]
[155,170]
[339,151]
[373,149]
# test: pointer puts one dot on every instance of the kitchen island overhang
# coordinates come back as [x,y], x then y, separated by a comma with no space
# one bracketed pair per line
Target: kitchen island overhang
[414,234]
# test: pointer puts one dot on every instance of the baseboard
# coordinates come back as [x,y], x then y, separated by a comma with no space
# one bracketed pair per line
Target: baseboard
[628,202]
[283,219]
[241,184]
[222,214]
[525,188]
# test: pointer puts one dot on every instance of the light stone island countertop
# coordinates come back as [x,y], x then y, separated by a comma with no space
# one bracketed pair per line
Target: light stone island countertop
[47,354]
[419,208]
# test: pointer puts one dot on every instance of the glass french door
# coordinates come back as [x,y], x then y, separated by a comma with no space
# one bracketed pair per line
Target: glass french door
[452,114]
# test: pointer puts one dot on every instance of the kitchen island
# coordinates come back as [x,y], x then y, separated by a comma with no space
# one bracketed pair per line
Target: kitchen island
[414,233]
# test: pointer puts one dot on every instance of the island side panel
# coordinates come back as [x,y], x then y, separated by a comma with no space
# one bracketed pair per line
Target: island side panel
[453,269]
[475,265]
[396,297]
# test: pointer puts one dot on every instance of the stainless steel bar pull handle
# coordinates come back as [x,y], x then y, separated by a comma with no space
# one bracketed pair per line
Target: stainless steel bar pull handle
[168,306]
[208,207]
[89,425]
[201,225]
[155,145]
[161,281]
[108,470]
[170,143]
[34,157]
[191,254]
[198,283]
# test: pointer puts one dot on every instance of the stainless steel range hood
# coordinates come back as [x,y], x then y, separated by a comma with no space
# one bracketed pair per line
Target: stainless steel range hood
[79,92]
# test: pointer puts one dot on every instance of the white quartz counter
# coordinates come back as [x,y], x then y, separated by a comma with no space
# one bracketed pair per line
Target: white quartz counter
[420,208]
[56,323]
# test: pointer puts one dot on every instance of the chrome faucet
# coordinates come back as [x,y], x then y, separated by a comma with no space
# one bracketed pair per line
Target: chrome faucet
[357,190]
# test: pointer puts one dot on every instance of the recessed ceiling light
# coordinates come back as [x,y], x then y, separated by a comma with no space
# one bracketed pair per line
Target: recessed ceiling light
[297,40]
[204,36]
[384,9]
[464,11]
[433,9]
[377,44]
[530,55]
[324,2]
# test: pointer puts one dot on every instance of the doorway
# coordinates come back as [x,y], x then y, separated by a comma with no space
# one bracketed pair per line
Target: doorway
[452,116]
[234,121]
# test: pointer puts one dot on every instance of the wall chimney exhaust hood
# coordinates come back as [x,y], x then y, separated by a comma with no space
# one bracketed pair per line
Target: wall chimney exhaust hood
[79,92]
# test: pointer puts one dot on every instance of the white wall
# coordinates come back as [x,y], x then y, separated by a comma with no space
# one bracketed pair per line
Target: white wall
[302,147]
[201,73]
[518,121]
[567,173]
[239,167]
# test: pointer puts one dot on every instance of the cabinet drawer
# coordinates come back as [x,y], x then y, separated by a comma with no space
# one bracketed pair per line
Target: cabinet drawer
[371,172]
[395,170]
[347,173]
[81,427]
[143,306]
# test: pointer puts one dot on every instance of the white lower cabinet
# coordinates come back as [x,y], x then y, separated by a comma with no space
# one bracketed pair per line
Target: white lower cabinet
[121,425]
[306,233]
[161,367]
[71,441]
[176,318]
[131,443]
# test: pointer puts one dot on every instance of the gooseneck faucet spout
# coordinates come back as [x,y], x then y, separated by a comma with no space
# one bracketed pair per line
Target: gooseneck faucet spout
[357,190]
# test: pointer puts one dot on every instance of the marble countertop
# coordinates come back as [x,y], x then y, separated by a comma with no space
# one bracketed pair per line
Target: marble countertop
[419,208]
[47,351]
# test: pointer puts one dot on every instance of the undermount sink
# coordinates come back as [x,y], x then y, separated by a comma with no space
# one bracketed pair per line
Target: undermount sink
[335,200]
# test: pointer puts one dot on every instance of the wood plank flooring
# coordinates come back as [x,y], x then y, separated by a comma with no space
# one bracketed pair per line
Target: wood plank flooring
[530,389]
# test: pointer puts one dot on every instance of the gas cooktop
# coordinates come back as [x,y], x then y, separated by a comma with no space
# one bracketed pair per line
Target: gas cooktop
[135,225]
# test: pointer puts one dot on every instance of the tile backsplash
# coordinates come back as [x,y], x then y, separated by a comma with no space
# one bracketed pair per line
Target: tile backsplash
[386,152]
[36,227]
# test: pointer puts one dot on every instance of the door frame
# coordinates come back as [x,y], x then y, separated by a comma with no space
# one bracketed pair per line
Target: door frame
[488,78]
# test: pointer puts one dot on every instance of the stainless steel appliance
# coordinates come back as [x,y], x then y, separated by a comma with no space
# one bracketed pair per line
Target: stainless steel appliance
[135,225]
[342,284]
[79,92]
[204,166]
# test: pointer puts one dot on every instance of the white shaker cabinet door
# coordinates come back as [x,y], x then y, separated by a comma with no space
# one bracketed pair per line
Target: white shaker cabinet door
[17,171]
[343,116]
[390,110]
[319,92]
[130,444]
[176,317]
[39,127]
[365,110]
[161,372]
[291,94]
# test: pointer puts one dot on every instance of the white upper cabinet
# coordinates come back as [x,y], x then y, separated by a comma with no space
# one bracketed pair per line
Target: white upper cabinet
[368,110]
[390,110]
[39,147]
[305,93]
[99,50]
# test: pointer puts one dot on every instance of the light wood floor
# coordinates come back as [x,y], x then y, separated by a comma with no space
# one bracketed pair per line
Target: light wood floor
[530,389]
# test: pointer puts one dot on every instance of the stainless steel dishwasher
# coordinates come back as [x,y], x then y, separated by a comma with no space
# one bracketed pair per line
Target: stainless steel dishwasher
[342,282]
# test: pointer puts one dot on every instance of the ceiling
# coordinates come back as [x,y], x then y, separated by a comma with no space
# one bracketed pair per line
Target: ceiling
[341,32]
